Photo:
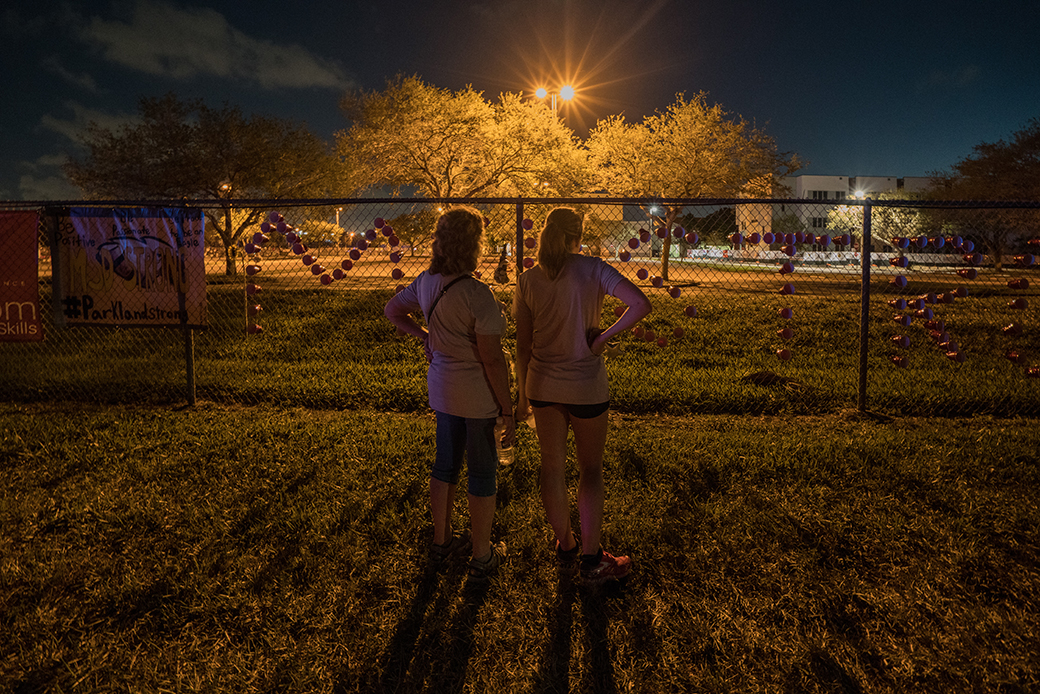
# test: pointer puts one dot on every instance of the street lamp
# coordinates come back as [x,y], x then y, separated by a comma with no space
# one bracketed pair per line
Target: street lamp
[566,93]
[338,210]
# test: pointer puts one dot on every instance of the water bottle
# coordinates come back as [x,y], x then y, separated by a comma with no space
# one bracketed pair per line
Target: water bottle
[505,453]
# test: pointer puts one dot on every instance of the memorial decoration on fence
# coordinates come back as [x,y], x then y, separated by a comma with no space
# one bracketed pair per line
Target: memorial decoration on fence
[131,267]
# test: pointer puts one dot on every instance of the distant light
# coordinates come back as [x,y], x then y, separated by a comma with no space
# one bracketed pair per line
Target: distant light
[541,93]
[860,194]
[567,92]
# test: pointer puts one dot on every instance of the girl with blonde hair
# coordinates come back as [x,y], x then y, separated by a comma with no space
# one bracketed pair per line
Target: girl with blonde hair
[562,378]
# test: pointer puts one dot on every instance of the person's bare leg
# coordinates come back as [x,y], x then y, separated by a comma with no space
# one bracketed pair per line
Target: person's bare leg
[442,497]
[590,438]
[551,425]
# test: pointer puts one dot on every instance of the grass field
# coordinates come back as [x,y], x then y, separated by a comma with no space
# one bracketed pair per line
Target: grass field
[261,549]
[273,538]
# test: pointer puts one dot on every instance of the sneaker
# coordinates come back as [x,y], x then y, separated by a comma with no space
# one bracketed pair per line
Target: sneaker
[439,554]
[609,568]
[481,570]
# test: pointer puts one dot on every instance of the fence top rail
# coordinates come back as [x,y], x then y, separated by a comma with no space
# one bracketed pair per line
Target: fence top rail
[275,204]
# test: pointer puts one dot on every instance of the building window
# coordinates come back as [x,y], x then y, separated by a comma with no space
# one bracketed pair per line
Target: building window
[819,222]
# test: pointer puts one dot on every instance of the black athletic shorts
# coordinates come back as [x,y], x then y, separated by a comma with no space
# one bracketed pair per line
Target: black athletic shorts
[577,411]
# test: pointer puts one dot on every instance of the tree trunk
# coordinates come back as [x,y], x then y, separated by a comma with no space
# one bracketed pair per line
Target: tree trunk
[231,268]
[666,248]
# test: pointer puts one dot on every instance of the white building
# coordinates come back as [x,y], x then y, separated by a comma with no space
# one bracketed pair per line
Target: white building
[828,191]
[841,187]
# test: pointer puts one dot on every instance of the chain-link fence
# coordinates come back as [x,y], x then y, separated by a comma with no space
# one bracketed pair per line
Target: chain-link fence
[760,305]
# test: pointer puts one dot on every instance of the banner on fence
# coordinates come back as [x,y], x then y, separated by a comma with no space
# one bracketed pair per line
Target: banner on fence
[142,267]
[19,280]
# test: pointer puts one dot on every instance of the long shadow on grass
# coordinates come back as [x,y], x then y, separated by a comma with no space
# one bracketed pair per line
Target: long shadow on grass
[598,671]
[449,653]
[402,646]
[556,656]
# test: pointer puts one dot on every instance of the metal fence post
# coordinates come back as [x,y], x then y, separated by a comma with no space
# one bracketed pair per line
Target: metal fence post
[518,259]
[51,214]
[864,321]
[189,361]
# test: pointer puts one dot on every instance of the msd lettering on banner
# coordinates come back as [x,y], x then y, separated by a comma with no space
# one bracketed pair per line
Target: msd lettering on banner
[19,280]
[133,268]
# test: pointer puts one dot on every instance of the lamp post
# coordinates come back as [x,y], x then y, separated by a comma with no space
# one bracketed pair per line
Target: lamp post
[565,93]
[338,210]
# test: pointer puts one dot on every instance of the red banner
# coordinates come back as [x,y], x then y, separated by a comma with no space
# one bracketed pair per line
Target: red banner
[19,280]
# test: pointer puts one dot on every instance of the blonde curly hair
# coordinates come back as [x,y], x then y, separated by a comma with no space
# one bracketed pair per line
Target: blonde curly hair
[458,241]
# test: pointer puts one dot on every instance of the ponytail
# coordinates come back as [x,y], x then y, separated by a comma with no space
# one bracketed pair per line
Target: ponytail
[562,229]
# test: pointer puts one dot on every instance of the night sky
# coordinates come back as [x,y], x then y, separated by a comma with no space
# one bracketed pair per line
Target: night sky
[854,88]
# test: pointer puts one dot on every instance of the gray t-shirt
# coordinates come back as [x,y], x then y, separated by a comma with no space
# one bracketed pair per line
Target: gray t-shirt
[455,379]
[563,369]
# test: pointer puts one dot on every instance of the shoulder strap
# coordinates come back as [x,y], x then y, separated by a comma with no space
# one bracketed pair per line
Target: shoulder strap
[436,301]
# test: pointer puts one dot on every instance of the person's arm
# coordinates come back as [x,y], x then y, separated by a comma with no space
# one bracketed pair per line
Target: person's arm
[489,348]
[639,307]
[398,311]
[524,342]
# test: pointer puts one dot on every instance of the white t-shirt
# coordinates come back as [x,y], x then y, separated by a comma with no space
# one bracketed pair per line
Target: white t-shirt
[563,369]
[456,380]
